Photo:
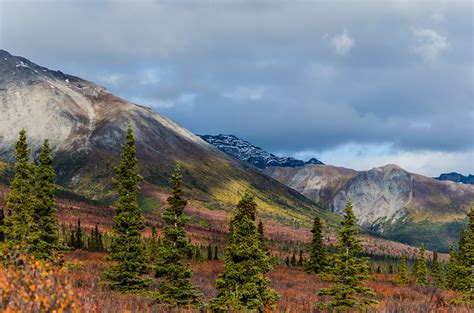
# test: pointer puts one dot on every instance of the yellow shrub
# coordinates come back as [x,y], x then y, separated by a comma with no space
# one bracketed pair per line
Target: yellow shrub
[29,285]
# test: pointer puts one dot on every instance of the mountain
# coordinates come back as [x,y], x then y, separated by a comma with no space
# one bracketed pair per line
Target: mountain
[387,200]
[244,151]
[456,177]
[86,124]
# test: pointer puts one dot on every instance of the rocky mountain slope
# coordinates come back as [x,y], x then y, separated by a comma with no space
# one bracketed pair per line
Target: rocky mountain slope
[387,200]
[456,177]
[86,125]
[244,151]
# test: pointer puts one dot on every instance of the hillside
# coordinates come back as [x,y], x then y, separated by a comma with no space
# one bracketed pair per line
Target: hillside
[85,125]
[387,200]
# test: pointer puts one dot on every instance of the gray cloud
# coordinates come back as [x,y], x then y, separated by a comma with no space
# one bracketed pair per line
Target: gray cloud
[292,77]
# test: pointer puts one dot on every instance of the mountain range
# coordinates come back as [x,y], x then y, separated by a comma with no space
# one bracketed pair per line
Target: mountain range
[456,177]
[86,124]
[388,200]
[245,151]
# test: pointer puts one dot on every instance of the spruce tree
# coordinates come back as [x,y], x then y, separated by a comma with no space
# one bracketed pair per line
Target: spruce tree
[414,269]
[242,286]
[261,236]
[317,251]
[20,202]
[216,256]
[402,271]
[45,236]
[458,277]
[127,247]
[78,236]
[350,269]
[420,268]
[300,260]
[293,259]
[172,271]
[2,233]
[460,271]
[209,252]
[436,271]
[152,246]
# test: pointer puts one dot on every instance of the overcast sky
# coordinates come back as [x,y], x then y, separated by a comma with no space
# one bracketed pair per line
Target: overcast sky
[356,84]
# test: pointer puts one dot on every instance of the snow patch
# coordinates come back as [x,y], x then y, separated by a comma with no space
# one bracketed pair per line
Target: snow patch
[22,64]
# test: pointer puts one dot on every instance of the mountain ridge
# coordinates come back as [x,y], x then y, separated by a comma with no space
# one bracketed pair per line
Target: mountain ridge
[245,151]
[388,200]
[86,125]
[456,177]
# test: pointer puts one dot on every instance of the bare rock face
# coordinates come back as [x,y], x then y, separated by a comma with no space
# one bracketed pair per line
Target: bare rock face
[74,114]
[86,125]
[381,195]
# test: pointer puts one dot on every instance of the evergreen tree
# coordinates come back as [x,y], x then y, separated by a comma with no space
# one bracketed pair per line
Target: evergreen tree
[420,268]
[293,259]
[287,261]
[209,252]
[317,251]
[19,202]
[390,268]
[261,236]
[45,236]
[78,236]
[402,271]
[457,276]
[173,273]
[197,254]
[350,270]
[127,247]
[300,260]
[216,257]
[460,271]
[152,246]
[242,286]
[2,233]
[436,270]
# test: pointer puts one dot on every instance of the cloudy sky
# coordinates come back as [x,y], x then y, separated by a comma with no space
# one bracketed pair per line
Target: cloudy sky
[357,84]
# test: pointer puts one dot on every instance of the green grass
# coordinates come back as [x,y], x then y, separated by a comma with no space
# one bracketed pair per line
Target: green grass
[148,205]
[434,235]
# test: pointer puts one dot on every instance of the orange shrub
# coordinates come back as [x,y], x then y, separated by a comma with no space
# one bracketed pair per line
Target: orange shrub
[29,285]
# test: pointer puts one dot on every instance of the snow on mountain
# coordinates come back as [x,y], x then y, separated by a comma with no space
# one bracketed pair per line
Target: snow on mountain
[456,177]
[245,151]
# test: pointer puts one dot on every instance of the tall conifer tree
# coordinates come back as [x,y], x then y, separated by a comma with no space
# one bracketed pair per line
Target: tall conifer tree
[460,271]
[2,223]
[172,271]
[436,271]
[403,271]
[242,286]
[127,247]
[317,251]
[45,237]
[350,270]
[19,202]
[420,268]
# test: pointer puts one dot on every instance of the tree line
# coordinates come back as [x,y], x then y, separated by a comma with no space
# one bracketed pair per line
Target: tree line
[159,266]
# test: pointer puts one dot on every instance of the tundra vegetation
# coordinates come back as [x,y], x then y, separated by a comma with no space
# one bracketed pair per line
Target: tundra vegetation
[58,264]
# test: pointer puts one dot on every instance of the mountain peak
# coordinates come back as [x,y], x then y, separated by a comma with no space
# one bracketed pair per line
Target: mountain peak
[21,71]
[247,152]
[389,167]
[456,177]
